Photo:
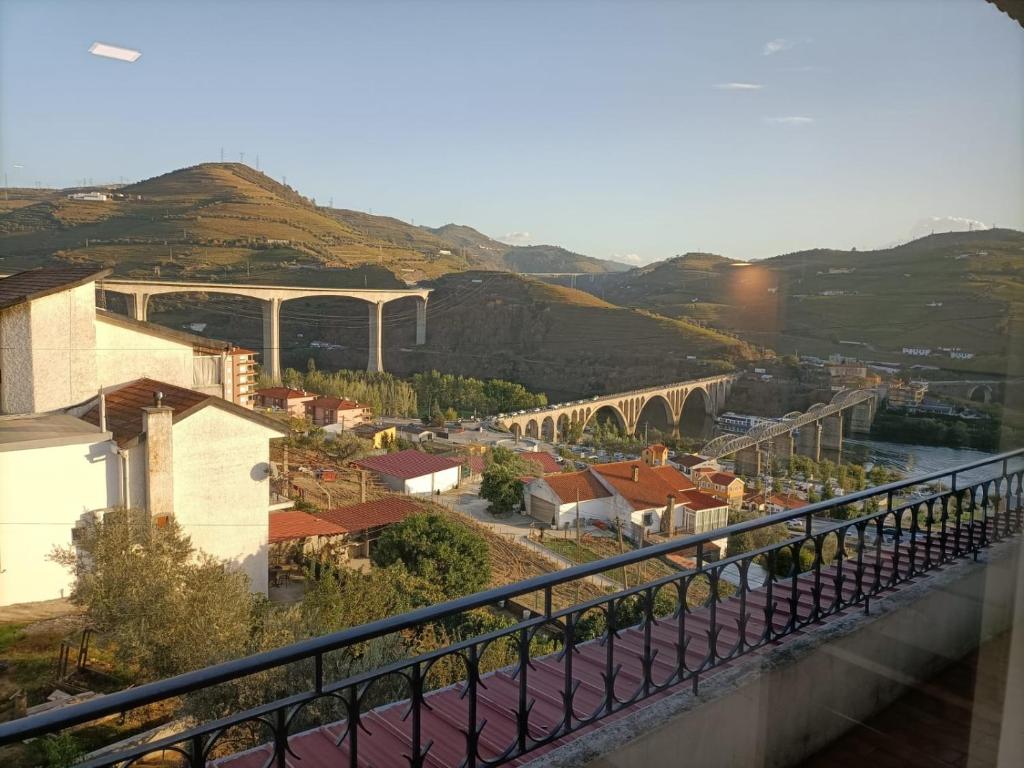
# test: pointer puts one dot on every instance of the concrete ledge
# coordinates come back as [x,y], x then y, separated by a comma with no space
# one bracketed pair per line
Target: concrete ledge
[777,708]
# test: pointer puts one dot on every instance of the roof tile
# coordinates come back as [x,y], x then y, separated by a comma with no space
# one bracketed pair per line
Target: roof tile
[293,524]
[370,514]
[407,464]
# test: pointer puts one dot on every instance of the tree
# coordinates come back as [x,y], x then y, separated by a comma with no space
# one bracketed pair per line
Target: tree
[442,551]
[812,495]
[826,491]
[776,485]
[168,608]
[436,417]
[501,483]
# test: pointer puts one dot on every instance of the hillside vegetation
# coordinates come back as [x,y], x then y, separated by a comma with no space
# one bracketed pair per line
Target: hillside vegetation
[227,220]
[948,290]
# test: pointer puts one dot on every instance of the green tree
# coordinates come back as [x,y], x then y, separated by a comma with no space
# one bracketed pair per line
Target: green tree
[439,550]
[501,482]
[168,608]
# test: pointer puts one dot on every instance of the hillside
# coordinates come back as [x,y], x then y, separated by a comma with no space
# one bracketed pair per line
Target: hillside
[962,289]
[488,324]
[227,220]
[488,253]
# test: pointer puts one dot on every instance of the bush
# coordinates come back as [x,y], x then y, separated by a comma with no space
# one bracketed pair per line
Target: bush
[441,551]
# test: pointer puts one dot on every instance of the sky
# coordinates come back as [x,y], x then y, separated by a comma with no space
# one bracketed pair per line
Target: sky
[633,131]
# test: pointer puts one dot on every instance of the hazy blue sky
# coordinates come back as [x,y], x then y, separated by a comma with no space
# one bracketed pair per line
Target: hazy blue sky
[635,130]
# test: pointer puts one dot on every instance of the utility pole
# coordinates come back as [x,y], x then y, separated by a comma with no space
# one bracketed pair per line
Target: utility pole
[222,154]
[625,576]
[579,553]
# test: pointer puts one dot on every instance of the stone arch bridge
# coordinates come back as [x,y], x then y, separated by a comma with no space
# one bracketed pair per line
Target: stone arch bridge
[271,297]
[554,421]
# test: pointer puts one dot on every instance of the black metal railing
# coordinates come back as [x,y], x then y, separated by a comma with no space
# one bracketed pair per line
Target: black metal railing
[666,632]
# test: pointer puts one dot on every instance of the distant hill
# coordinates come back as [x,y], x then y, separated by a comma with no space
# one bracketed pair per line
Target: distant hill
[227,220]
[957,289]
[488,253]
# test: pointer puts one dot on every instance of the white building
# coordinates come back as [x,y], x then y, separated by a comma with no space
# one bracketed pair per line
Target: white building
[198,458]
[414,471]
[68,450]
[644,500]
[98,197]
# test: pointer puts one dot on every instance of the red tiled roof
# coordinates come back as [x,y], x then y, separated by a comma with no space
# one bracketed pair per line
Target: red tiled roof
[124,406]
[284,392]
[652,486]
[337,403]
[43,281]
[674,477]
[722,478]
[697,501]
[407,464]
[294,524]
[542,459]
[691,460]
[567,484]
[788,500]
[476,463]
[370,514]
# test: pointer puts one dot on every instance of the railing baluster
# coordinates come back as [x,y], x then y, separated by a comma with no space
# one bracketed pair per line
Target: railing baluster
[523,710]
[472,731]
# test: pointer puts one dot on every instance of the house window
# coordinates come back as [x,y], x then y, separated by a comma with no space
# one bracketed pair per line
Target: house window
[648,519]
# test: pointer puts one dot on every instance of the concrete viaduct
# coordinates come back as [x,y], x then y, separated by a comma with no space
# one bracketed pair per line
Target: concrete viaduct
[271,297]
[554,421]
[821,427]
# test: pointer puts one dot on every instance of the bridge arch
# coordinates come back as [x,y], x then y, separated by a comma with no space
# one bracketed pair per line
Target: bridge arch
[656,412]
[547,429]
[980,393]
[608,410]
[532,428]
[696,414]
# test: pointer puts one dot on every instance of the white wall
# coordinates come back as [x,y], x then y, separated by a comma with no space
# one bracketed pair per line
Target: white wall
[48,361]
[438,481]
[44,492]
[125,354]
[222,488]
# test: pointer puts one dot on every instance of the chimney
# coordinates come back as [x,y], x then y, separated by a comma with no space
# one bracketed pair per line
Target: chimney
[666,521]
[156,424]
[636,474]
[103,411]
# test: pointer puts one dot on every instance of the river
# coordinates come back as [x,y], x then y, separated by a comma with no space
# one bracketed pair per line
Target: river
[910,459]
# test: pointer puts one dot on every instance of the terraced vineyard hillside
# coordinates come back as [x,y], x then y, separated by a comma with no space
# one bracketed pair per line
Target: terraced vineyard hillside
[227,220]
[961,290]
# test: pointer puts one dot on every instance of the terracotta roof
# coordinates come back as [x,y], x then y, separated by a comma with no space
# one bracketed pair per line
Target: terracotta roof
[697,501]
[124,406]
[370,514]
[284,392]
[788,500]
[674,477]
[36,283]
[294,524]
[691,460]
[567,484]
[657,447]
[721,478]
[542,459]
[337,403]
[407,464]
[652,486]
[476,463]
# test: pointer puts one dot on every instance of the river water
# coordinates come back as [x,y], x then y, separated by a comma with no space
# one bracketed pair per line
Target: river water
[911,460]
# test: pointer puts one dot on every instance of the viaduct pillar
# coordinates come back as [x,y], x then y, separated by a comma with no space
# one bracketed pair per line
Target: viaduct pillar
[782,448]
[832,432]
[808,442]
[748,461]
[861,416]
[421,321]
[376,361]
[272,338]
[138,305]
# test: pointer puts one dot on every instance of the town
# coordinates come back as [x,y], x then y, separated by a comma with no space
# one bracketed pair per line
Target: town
[465,385]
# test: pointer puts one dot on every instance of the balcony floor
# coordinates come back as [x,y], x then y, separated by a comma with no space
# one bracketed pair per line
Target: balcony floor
[953,720]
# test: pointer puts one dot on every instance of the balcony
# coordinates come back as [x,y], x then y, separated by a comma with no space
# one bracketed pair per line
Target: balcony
[760,658]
